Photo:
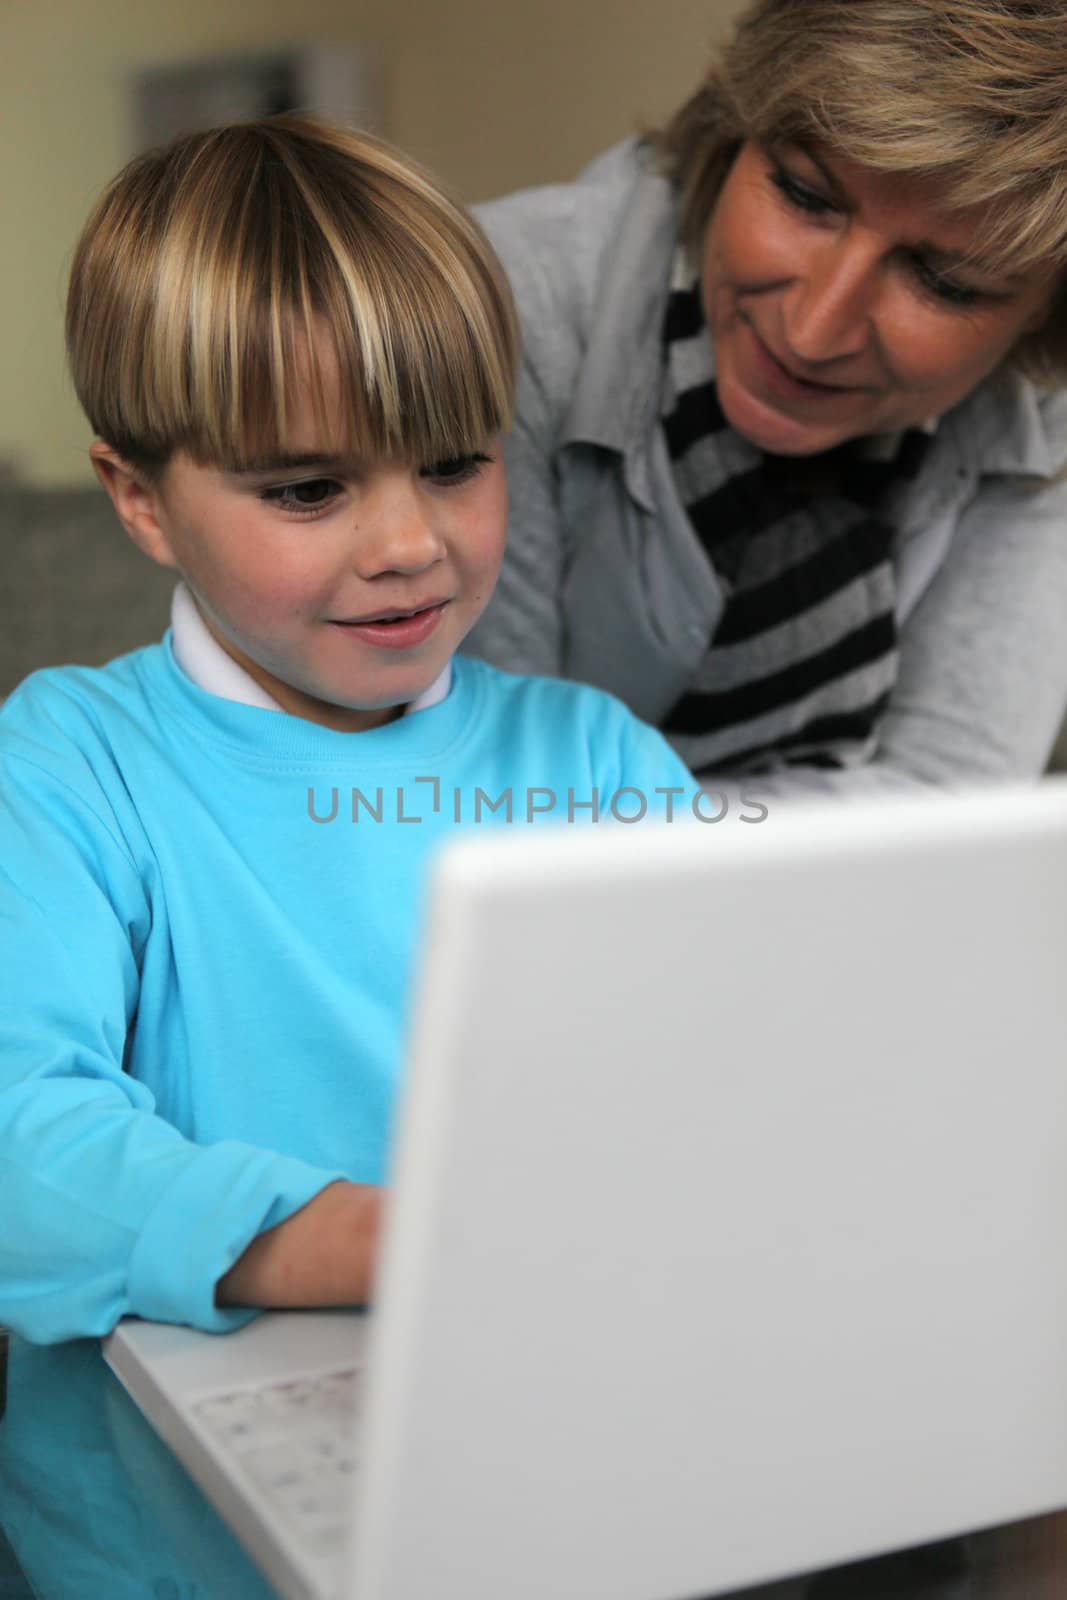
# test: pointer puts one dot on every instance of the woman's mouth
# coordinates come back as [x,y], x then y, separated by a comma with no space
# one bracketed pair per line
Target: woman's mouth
[785,384]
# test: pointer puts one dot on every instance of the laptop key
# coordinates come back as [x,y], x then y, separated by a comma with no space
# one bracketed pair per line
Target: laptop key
[295,1441]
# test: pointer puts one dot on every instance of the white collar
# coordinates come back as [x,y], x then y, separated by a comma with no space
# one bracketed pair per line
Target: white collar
[203,659]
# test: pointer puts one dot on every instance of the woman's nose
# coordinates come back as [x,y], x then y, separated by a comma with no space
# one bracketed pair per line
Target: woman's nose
[828,308]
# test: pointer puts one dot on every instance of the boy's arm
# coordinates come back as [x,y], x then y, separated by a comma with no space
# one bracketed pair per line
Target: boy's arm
[108,1208]
[323,1255]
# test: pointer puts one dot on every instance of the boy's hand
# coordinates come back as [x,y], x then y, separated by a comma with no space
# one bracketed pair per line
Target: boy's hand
[323,1255]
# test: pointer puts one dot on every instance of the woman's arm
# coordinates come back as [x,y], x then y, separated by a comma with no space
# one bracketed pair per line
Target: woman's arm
[549,241]
[522,628]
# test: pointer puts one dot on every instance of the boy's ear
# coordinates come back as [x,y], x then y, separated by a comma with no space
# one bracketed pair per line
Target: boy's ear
[137,503]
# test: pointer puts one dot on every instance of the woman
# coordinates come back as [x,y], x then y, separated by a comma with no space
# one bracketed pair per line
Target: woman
[788,469]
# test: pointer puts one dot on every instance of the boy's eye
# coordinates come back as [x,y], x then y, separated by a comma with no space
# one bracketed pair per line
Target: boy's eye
[307,495]
[456,469]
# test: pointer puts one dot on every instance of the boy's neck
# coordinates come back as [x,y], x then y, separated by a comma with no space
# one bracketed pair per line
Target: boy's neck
[204,661]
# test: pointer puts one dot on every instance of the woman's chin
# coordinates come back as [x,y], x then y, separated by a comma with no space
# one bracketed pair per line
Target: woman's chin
[776,431]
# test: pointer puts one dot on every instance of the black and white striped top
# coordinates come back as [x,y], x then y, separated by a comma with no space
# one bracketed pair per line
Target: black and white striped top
[804,658]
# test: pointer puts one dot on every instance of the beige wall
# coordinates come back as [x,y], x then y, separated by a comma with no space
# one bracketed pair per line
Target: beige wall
[493,95]
[500,95]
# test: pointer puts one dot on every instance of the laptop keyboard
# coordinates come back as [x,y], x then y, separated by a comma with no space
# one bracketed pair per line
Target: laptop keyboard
[296,1442]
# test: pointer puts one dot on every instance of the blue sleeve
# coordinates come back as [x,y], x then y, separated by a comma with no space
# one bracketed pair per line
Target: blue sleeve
[108,1209]
[640,777]
[652,769]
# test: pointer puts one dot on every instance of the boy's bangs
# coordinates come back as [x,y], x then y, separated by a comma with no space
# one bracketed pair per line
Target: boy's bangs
[232,281]
[408,381]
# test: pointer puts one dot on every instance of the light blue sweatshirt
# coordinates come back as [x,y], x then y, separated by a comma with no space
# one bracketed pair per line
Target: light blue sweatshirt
[208,914]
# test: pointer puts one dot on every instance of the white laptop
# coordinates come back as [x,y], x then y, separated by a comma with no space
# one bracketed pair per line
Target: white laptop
[729,1237]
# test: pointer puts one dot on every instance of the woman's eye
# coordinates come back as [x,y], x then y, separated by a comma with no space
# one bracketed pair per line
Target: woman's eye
[307,495]
[456,469]
[799,195]
[948,291]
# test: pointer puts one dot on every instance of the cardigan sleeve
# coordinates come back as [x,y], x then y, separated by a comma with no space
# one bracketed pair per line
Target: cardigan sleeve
[534,234]
[523,628]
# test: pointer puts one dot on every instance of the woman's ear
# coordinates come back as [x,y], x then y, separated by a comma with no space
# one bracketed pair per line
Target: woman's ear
[137,502]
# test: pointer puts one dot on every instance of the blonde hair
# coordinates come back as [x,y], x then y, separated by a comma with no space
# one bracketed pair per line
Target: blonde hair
[969,93]
[211,271]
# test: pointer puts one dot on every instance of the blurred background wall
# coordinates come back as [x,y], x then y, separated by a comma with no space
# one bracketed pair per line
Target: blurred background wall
[493,94]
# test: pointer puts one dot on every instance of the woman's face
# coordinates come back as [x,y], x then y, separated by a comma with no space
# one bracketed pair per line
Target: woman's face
[842,301]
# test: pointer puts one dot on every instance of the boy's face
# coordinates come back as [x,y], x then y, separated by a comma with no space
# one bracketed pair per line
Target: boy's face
[342,587]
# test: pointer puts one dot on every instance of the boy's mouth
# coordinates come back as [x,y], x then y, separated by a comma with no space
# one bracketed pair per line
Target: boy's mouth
[395,628]
[392,614]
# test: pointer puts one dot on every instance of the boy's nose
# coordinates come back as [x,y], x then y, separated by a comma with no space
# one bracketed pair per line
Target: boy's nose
[396,532]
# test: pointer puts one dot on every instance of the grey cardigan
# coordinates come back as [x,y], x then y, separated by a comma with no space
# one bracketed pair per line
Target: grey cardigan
[604,579]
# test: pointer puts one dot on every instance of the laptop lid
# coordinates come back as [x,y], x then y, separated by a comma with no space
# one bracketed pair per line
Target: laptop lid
[730,1213]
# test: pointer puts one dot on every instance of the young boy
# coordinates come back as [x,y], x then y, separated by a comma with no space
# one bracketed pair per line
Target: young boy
[297,355]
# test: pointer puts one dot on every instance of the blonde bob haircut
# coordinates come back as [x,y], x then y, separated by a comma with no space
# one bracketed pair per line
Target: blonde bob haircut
[217,270]
[971,94]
